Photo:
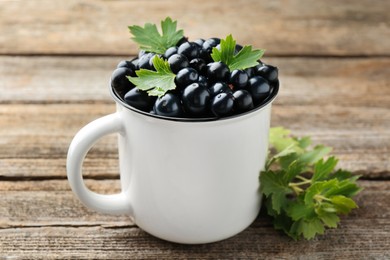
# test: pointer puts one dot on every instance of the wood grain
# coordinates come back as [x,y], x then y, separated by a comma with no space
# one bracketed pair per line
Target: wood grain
[305,81]
[30,134]
[282,27]
[60,227]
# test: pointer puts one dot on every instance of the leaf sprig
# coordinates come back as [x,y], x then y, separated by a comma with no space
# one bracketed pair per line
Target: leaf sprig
[150,40]
[245,58]
[158,82]
[303,192]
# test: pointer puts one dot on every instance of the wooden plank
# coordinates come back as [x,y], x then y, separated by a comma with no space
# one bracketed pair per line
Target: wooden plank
[282,27]
[361,141]
[304,81]
[74,232]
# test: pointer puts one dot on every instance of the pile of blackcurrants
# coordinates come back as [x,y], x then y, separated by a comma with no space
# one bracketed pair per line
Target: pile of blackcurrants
[204,88]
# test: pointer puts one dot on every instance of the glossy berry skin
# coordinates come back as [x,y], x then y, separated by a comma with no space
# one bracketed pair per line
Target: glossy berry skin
[182,40]
[200,42]
[196,99]
[259,88]
[170,51]
[119,82]
[203,81]
[219,87]
[242,101]
[151,65]
[239,79]
[268,72]
[185,77]
[178,62]
[210,43]
[218,71]
[143,62]
[168,105]
[189,49]
[139,99]
[222,104]
[141,53]
[199,64]
[126,64]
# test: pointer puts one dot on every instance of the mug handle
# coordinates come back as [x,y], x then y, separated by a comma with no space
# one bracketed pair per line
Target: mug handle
[81,143]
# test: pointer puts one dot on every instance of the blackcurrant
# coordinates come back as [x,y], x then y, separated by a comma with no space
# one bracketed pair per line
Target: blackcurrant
[210,43]
[268,72]
[178,62]
[259,88]
[189,49]
[199,41]
[222,104]
[119,81]
[218,71]
[196,99]
[219,87]
[170,51]
[239,79]
[168,105]
[185,77]
[242,100]
[143,62]
[203,81]
[198,64]
[126,64]
[139,99]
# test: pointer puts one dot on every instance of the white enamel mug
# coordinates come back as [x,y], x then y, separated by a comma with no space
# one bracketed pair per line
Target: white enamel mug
[182,180]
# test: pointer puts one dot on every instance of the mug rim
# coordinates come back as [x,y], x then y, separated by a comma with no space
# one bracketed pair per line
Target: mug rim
[265,103]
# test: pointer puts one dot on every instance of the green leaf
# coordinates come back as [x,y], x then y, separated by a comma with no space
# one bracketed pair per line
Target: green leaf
[273,186]
[329,219]
[158,82]
[151,40]
[343,204]
[304,193]
[322,168]
[245,58]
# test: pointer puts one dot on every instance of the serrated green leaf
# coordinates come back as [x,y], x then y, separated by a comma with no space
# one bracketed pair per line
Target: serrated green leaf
[272,185]
[311,157]
[318,189]
[298,210]
[329,219]
[245,58]
[322,169]
[310,228]
[343,204]
[151,40]
[158,82]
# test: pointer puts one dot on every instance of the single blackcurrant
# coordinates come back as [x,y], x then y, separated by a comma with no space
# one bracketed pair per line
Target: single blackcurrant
[143,62]
[189,49]
[222,104]
[139,99]
[119,81]
[268,72]
[218,71]
[239,79]
[219,87]
[199,64]
[178,62]
[185,77]
[259,88]
[242,101]
[168,105]
[170,51]
[196,99]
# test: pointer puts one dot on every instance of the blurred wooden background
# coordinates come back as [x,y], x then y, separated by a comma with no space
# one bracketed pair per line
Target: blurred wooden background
[56,58]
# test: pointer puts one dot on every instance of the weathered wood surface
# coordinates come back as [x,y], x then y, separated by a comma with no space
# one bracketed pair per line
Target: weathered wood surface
[293,27]
[44,220]
[334,60]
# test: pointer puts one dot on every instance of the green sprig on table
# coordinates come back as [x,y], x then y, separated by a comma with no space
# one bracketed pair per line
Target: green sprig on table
[304,194]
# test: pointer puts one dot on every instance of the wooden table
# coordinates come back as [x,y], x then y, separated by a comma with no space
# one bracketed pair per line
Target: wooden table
[56,60]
